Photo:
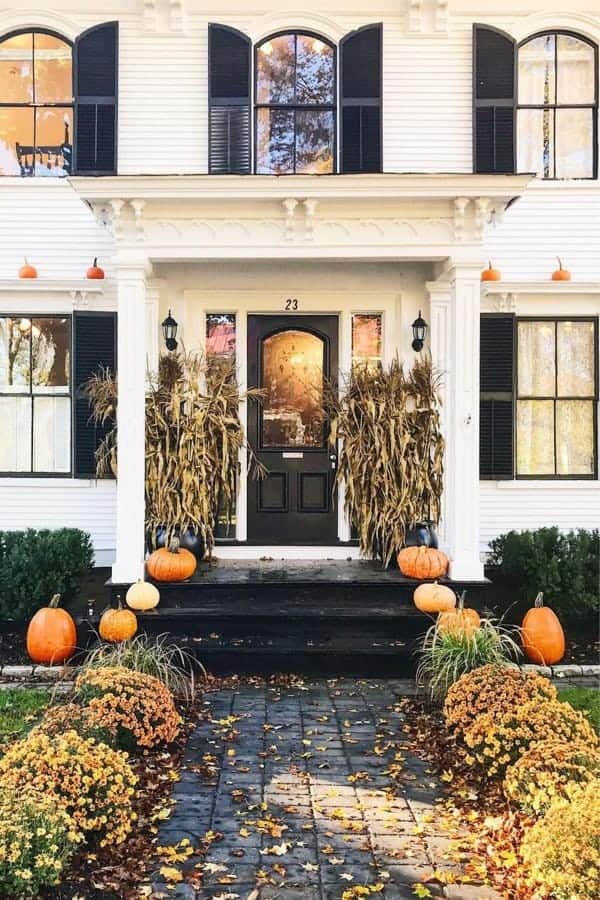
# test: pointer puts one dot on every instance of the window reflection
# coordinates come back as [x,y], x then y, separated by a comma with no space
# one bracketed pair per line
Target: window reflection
[220,336]
[367,340]
[36,105]
[295,96]
[292,378]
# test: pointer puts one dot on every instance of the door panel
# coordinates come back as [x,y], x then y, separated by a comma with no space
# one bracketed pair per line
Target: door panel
[289,358]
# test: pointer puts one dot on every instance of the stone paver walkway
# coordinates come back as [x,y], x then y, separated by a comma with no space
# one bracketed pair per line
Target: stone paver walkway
[294,783]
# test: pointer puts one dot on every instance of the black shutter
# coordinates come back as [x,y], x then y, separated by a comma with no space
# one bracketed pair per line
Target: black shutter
[228,101]
[95,346]
[360,99]
[496,404]
[96,65]
[493,100]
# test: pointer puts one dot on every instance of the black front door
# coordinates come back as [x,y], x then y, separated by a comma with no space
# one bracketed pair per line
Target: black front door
[290,358]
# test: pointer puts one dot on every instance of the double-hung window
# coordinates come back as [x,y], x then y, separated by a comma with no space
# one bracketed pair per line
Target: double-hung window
[35,395]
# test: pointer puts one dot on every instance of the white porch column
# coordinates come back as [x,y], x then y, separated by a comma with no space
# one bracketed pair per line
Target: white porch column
[455,309]
[131,286]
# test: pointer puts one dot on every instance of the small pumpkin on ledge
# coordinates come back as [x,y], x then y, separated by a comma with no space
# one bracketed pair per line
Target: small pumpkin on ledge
[561,274]
[95,272]
[27,270]
[491,274]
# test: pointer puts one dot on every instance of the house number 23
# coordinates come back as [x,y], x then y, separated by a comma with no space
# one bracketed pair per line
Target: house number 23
[291,303]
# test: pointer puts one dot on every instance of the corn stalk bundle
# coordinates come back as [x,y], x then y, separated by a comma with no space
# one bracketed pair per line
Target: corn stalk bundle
[391,454]
[193,442]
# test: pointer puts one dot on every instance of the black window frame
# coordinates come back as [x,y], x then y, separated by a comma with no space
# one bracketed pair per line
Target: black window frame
[32,473]
[594,107]
[35,106]
[593,476]
[294,107]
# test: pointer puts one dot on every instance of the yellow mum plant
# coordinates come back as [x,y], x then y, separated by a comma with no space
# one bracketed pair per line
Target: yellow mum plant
[497,740]
[37,840]
[562,850]
[138,709]
[495,689]
[93,783]
[549,771]
[73,717]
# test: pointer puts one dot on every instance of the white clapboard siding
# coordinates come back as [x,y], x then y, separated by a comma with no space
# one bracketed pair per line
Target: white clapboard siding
[525,505]
[54,503]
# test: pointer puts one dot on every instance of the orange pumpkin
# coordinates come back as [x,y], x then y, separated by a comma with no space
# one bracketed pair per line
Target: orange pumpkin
[95,272]
[434,598]
[174,563]
[422,562]
[142,596]
[118,624]
[561,274]
[51,634]
[542,635]
[491,274]
[27,271]
[459,620]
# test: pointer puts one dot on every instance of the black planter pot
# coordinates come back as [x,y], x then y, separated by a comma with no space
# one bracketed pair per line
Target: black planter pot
[422,535]
[189,540]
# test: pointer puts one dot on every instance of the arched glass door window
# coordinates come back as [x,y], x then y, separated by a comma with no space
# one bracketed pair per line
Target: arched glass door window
[36,105]
[557,106]
[295,105]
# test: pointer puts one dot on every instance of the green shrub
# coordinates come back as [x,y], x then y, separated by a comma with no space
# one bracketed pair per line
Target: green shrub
[34,565]
[564,566]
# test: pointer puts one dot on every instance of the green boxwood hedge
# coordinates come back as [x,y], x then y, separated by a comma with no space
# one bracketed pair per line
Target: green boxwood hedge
[34,565]
[565,566]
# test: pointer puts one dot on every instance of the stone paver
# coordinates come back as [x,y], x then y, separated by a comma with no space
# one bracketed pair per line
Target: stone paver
[296,802]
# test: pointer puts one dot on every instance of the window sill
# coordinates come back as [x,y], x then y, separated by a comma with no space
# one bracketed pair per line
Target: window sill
[56,481]
[50,285]
[523,484]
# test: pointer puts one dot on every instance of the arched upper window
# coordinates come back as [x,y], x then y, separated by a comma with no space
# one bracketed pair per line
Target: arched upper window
[295,79]
[557,106]
[36,105]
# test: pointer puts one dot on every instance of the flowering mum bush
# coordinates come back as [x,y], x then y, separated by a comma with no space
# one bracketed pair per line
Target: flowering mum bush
[37,840]
[138,709]
[549,771]
[73,717]
[562,850]
[93,783]
[492,689]
[496,740]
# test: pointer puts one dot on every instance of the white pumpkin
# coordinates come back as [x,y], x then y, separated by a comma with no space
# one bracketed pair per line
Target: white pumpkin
[142,596]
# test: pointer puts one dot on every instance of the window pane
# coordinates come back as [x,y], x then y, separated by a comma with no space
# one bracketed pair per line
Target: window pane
[535,437]
[54,128]
[314,142]
[16,69]
[535,141]
[275,70]
[575,437]
[293,370]
[366,340]
[16,141]
[220,336]
[574,143]
[275,142]
[15,446]
[314,71]
[576,359]
[536,71]
[14,355]
[51,434]
[51,352]
[576,65]
[53,70]
[536,352]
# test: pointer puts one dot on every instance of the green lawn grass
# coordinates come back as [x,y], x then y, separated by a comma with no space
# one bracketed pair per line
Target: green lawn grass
[585,699]
[19,710]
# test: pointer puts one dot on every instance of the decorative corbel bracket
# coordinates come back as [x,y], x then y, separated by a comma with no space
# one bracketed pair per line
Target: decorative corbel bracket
[164,16]
[504,303]
[289,206]
[80,299]
[442,16]
[310,206]
[460,218]
[415,15]
[483,213]
[138,210]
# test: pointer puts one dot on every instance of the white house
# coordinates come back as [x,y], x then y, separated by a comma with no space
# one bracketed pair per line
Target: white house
[314,173]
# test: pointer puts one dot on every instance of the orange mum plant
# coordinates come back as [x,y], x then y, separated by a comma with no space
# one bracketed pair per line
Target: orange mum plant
[138,709]
[90,781]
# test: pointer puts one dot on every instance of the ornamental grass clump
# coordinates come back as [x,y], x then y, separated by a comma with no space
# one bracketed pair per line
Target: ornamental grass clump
[562,850]
[37,841]
[446,655]
[496,741]
[90,781]
[550,770]
[495,689]
[138,709]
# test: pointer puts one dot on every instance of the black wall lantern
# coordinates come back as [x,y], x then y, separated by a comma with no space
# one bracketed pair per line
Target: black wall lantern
[419,329]
[169,328]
